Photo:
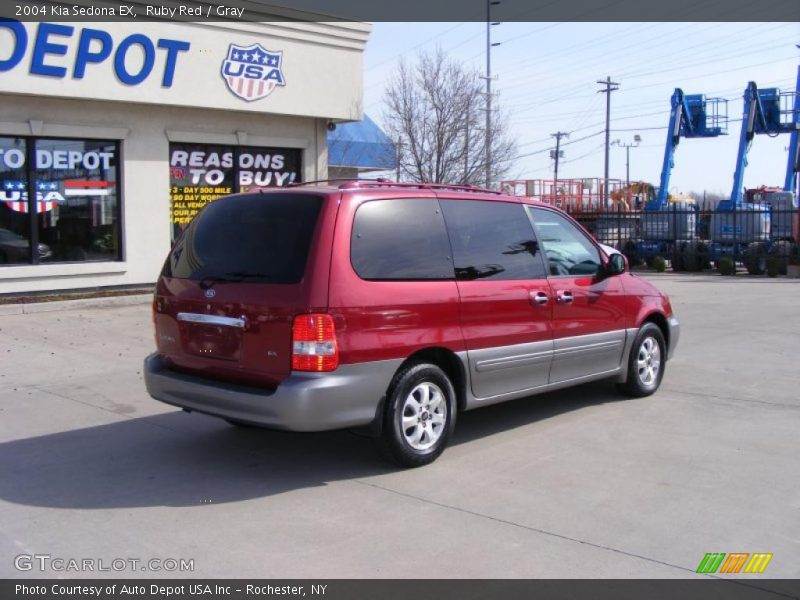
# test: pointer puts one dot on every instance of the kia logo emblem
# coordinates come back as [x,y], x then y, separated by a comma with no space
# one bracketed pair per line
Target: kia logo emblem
[210,293]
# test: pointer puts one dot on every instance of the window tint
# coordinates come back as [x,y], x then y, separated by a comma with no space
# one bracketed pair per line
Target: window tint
[82,221]
[75,213]
[492,240]
[254,237]
[14,218]
[400,239]
[568,250]
[201,173]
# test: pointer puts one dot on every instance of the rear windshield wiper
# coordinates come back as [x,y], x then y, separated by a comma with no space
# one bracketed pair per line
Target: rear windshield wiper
[239,275]
[207,282]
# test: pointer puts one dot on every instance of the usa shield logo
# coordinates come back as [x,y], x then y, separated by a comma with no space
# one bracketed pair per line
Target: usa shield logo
[252,72]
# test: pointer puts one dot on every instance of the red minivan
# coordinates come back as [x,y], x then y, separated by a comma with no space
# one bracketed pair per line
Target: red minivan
[395,307]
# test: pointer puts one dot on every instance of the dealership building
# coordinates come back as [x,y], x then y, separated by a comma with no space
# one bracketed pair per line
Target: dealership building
[113,135]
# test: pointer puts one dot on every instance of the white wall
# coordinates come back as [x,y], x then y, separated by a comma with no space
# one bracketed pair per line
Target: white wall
[145,132]
[321,65]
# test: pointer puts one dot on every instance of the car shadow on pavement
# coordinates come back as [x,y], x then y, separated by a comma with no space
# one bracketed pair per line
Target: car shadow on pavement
[175,459]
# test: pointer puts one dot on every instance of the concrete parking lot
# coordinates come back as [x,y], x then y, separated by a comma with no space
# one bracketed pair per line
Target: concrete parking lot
[579,483]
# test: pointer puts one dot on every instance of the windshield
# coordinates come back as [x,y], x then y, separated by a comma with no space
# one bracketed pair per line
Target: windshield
[251,237]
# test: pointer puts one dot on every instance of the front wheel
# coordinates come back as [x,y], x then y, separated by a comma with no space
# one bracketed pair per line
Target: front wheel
[419,416]
[646,362]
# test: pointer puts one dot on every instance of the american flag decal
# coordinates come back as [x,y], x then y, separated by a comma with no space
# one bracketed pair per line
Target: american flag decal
[49,194]
[86,188]
[252,72]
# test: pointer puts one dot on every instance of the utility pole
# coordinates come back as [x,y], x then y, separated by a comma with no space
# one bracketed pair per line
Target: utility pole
[466,149]
[636,140]
[610,86]
[489,46]
[558,153]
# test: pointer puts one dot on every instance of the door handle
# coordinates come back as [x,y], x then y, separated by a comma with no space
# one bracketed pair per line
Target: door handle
[539,298]
[564,297]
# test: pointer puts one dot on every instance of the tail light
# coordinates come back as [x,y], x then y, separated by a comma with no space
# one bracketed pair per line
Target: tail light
[314,343]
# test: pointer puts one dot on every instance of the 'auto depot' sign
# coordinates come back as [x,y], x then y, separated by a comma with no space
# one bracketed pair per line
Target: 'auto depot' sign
[255,67]
[92,47]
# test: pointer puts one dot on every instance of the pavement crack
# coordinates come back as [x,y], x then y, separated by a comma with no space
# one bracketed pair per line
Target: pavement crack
[568,538]
[736,398]
[145,419]
[560,536]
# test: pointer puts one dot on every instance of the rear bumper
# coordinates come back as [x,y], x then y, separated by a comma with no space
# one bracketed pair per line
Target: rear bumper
[674,335]
[347,397]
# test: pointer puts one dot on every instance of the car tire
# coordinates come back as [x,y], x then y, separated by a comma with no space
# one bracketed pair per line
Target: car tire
[677,258]
[419,415]
[646,362]
[783,250]
[755,258]
[695,257]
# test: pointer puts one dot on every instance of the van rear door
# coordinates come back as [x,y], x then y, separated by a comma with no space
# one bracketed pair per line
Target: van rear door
[235,279]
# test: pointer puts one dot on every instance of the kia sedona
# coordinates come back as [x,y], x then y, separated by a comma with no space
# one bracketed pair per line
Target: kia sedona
[393,308]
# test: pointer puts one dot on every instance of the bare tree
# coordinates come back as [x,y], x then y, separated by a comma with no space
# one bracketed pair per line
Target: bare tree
[434,111]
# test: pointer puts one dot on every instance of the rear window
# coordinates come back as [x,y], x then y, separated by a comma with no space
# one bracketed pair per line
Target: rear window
[400,239]
[252,237]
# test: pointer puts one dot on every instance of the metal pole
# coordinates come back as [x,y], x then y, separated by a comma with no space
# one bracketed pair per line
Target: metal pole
[628,167]
[466,150]
[558,135]
[555,170]
[33,223]
[607,91]
[488,93]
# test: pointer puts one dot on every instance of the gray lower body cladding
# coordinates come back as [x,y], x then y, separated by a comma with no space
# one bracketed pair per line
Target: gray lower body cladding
[352,395]
[347,397]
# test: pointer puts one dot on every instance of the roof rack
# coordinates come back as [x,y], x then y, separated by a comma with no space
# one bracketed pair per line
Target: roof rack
[348,183]
[333,179]
[366,183]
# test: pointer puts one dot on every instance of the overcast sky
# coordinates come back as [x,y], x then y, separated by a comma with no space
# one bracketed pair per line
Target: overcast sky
[546,74]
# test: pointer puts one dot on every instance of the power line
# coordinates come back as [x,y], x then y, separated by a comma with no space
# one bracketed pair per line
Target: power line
[423,43]
[724,94]
[668,60]
[575,141]
[664,112]
[560,97]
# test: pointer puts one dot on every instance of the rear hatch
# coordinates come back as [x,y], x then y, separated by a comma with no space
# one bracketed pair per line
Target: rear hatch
[235,279]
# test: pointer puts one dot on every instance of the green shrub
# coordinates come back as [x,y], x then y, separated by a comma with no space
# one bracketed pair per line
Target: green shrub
[659,264]
[773,265]
[726,266]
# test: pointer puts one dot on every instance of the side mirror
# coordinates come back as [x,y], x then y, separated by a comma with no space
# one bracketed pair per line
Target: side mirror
[616,264]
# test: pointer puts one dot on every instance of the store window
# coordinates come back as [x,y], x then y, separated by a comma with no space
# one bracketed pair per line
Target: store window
[15,225]
[201,173]
[75,216]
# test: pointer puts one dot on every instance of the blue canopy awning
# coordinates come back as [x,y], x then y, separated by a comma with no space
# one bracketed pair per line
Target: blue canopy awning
[362,145]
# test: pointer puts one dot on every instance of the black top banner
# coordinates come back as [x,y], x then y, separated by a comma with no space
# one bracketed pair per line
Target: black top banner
[394,589]
[405,11]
